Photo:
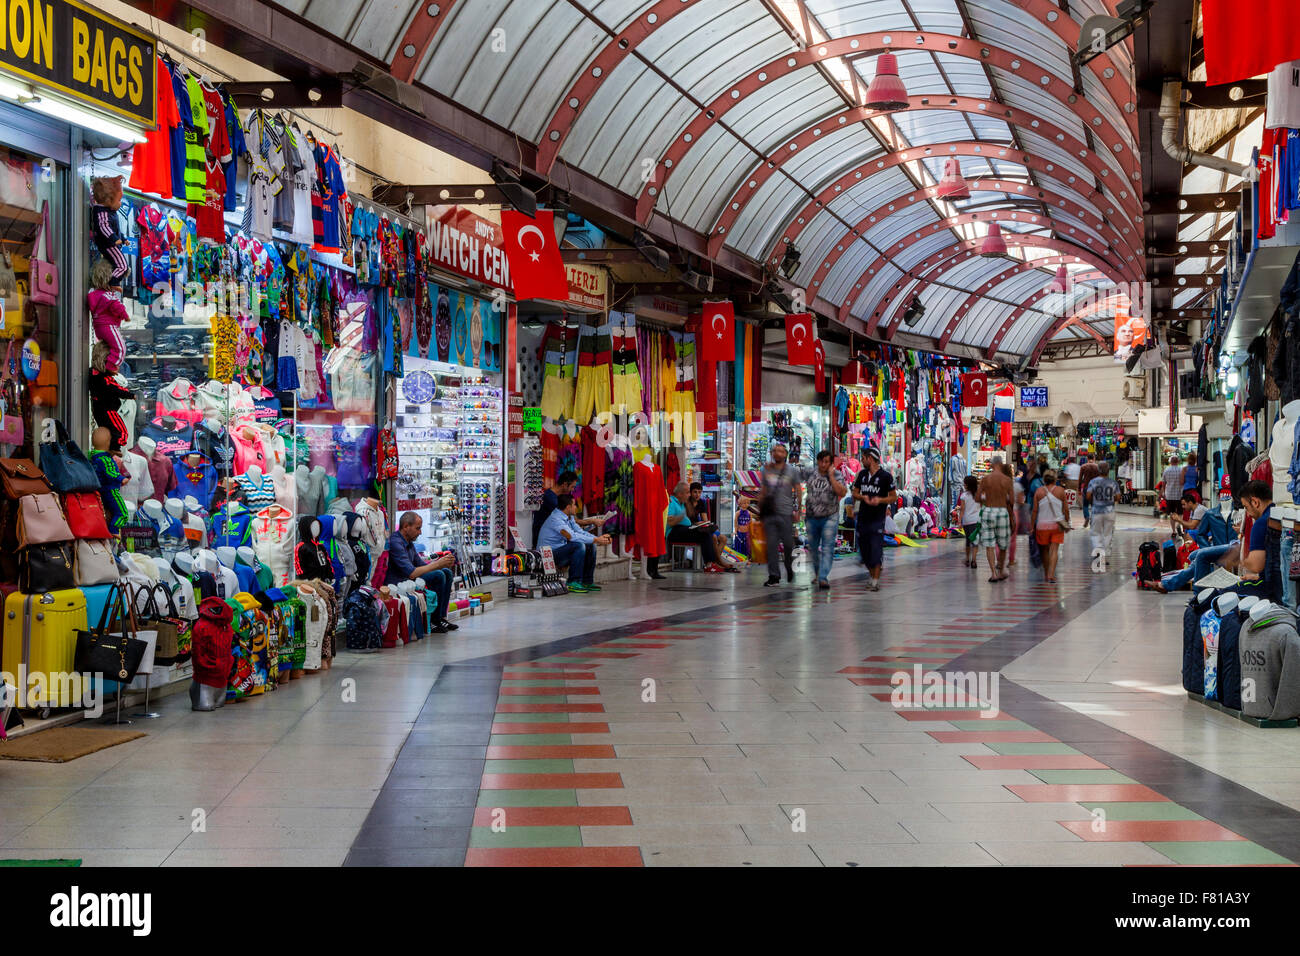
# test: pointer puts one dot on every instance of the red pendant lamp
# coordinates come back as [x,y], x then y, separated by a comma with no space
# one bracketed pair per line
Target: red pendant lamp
[994,244]
[952,185]
[886,91]
[1060,282]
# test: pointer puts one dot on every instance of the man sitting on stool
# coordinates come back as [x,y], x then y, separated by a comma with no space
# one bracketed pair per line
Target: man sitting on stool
[572,545]
[407,564]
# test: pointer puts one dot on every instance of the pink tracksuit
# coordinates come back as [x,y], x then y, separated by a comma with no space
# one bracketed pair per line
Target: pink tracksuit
[106,317]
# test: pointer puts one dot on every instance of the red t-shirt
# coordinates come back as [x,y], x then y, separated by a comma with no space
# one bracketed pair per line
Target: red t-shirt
[209,217]
[151,161]
[218,136]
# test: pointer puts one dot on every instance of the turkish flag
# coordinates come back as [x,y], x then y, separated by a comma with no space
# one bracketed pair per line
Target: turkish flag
[800,334]
[974,390]
[716,336]
[536,269]
[819,366]
[1246,39]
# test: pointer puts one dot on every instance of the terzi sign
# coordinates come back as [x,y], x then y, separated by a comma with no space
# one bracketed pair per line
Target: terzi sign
[465,243]
[66,46]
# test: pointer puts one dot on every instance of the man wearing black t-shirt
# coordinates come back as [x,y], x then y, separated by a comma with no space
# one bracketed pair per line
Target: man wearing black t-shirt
[873,490]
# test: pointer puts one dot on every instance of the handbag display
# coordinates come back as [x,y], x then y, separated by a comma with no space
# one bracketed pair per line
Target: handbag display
[96,564]
[46,567]
[101,651]
[65,465]
[173,630]
[85,513]
[44,274]
[41,520]
[21,476]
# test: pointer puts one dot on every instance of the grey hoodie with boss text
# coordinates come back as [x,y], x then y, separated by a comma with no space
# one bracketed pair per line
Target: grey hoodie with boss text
[1270,667]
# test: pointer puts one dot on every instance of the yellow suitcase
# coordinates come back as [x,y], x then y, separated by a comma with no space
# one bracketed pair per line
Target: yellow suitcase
[40,642]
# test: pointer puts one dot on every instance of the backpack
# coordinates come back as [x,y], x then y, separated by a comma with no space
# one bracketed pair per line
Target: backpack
[1149,567]
[361,621]
[1169,557]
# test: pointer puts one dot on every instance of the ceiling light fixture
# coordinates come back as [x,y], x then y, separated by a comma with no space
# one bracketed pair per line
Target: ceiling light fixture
[887,91]
[994,244]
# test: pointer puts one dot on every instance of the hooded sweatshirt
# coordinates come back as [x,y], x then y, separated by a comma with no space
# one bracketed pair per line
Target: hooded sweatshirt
[311,560]
[1270,667]
[359,554]
[212,638]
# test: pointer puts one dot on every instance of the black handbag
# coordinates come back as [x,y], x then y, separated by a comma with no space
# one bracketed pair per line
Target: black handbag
[100,651]
[65,465]
[46,567]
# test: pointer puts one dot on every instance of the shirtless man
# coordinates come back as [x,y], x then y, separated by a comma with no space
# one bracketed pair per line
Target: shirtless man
[997,499]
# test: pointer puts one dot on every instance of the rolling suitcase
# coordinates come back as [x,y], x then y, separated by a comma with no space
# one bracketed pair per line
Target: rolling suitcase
[96,597]
[40,643]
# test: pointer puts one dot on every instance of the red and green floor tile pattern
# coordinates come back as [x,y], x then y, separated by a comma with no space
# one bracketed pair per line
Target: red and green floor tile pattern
[1123,810]
[528,810]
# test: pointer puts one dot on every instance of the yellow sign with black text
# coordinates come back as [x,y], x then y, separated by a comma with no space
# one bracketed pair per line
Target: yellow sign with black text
[86,55]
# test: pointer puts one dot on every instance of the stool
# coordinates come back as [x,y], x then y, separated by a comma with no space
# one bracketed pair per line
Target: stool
[696,556]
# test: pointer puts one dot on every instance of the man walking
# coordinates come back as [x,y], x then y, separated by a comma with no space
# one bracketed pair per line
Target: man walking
[1099,494]
[780,481]
[998,502]
[1088,470]
[825,492]
[873,490]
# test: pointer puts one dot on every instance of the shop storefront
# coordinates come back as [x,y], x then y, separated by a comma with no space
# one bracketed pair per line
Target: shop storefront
[262,367]
[449,397]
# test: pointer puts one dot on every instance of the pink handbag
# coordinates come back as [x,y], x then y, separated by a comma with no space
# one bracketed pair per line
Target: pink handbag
[41,520]
[45,277]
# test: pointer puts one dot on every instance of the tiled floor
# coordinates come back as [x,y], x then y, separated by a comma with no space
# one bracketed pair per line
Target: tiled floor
[729,725]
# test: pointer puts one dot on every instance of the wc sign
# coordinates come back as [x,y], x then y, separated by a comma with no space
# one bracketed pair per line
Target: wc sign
[1033,396]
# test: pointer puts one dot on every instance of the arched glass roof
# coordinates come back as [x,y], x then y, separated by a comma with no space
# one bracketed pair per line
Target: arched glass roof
[748,112]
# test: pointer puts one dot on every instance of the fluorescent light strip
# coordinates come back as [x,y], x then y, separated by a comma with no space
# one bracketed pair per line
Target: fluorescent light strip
[55,106]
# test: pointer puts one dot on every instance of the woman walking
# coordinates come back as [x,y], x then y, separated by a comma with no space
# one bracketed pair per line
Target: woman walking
[1051,518]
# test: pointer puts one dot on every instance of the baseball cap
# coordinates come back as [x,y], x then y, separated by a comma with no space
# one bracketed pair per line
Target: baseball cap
[1225,485]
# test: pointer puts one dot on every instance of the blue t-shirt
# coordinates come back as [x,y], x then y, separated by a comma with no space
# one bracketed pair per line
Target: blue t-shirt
[675,507]
[1191,478]
[1259,531]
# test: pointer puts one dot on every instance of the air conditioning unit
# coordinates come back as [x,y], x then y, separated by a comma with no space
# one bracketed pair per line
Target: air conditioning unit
[1135,389]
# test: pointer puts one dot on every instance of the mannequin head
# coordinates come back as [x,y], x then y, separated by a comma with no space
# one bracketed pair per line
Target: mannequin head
[255,473]
[107,191]
[175,507]
[153,508]
[147,446]
[246,555]
[192,504]
[184,563]
[101,438]
[226,555]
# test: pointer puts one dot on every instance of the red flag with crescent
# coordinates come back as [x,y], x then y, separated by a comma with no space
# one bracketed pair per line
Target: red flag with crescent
[800,334]
[974,390]
[716,337]
[536,269]
[819,366]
